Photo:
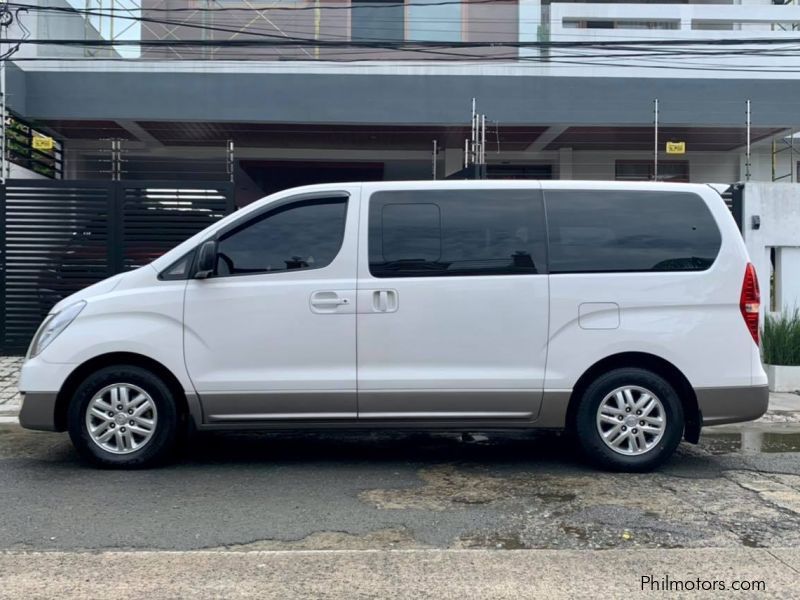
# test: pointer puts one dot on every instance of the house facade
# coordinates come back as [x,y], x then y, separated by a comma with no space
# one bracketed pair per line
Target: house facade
[274,94]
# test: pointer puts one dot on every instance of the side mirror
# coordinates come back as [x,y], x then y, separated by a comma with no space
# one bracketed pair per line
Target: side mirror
[206,260]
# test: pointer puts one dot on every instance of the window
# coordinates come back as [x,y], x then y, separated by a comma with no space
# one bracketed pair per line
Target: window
[434,21]
[377,20]
[453,232]
[301,235]
[179,269]
[642,170]
[617,231]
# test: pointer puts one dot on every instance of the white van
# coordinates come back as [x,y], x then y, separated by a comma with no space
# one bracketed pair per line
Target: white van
[627,314]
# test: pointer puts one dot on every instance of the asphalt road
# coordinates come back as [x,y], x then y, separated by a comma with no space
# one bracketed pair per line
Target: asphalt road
[398,491]
[397,515]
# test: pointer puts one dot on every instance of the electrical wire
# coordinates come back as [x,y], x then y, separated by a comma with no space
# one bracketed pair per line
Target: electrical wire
[347,49]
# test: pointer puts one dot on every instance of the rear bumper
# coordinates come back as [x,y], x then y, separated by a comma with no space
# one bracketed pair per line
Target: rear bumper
[39,411]
[719,406]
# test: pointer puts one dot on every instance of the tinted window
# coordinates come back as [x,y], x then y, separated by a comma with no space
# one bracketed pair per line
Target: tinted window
[302,235]
[434,20]
[377,20]
[449,232]
[613,231]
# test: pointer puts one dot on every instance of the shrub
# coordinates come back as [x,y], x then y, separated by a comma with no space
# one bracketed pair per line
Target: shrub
[781,338]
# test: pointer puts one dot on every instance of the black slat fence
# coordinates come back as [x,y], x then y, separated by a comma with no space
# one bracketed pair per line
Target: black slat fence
[57,237]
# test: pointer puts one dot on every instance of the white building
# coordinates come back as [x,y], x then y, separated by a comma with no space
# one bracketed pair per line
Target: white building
[305,94]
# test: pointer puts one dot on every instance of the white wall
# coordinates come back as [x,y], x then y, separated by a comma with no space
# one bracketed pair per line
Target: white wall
[17,172]
[742,22]
[778,207]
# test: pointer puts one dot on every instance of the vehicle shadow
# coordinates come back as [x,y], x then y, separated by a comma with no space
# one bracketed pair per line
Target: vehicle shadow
[528,450]
[506,451]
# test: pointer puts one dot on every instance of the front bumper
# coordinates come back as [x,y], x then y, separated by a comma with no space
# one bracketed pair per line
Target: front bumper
[39,382]
[719,406]
[39,411]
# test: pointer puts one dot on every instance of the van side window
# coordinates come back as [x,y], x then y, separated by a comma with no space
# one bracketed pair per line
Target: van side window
[434,233]
[610,231]
[302,235]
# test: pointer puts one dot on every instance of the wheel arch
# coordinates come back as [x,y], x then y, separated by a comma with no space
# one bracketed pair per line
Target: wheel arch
[653,363]
[82,371]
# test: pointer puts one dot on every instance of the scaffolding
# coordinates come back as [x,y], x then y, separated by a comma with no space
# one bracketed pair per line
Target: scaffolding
[780,146]
[241,20]
[109,20]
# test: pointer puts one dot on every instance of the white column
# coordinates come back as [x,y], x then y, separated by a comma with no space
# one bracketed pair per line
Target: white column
[565,163]
[530,16]
[787,278]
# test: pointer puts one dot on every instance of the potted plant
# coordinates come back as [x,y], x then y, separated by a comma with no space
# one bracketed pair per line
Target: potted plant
[781,350]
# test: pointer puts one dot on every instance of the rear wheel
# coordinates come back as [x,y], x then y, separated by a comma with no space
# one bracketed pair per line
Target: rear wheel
[123,416]
[629,419]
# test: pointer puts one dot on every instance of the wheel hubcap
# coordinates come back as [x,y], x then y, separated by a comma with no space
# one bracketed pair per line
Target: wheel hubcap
[121,418]
[631,420]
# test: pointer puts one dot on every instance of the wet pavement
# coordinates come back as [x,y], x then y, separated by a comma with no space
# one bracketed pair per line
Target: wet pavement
[739,488]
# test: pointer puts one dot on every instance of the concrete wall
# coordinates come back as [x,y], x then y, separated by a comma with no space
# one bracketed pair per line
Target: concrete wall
[56,25]
[778,207]
[17,172]
[409,95]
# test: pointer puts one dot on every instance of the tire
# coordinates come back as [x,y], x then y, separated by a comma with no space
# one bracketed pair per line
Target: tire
[648,448]
[146,402]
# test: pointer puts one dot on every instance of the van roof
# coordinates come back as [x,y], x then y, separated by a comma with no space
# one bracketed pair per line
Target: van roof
[459,184]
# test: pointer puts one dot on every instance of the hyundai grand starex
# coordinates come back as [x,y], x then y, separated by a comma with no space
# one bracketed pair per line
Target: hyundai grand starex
[627,314]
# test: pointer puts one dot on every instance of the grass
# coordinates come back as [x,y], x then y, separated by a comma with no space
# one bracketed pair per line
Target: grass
[781,339]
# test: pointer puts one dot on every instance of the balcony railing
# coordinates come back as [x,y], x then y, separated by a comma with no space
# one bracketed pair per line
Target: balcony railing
[699,36]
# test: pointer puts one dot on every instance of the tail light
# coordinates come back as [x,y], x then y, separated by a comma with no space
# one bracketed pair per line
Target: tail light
[750,301]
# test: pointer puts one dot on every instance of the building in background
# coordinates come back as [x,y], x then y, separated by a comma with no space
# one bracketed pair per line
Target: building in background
[308,91]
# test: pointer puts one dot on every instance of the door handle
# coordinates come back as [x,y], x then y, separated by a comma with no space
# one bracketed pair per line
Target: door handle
[384,301]
[329,302]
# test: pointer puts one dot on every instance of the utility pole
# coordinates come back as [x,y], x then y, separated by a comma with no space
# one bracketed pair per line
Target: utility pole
[473,133]
[483,140]
[435,156]
[655,139]
[747,152]
[230,161]
[317,23]
[3,114]
[6,19]
[116,159]
[475,145]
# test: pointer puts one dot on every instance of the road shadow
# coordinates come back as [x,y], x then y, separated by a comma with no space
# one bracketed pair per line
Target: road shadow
[502,451]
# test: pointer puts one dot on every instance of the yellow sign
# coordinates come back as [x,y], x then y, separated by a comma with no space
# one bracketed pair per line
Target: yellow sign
[41,142]
[676,147]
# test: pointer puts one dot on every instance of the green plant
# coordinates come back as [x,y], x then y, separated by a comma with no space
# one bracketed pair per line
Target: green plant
[781,338]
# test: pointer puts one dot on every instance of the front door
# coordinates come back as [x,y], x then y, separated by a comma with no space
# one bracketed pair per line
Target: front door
[271,334]
[452,303]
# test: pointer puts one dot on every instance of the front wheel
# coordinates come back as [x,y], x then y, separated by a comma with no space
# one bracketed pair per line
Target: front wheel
[629,419]
[123,416]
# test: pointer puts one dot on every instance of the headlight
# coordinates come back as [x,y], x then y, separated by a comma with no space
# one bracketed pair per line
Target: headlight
[52,327]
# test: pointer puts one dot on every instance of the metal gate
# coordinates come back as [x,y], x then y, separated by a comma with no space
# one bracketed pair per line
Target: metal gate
[57,237]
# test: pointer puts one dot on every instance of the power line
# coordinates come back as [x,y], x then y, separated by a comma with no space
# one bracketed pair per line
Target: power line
[339,7]
[382,41]
[411,45]
[648,48]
